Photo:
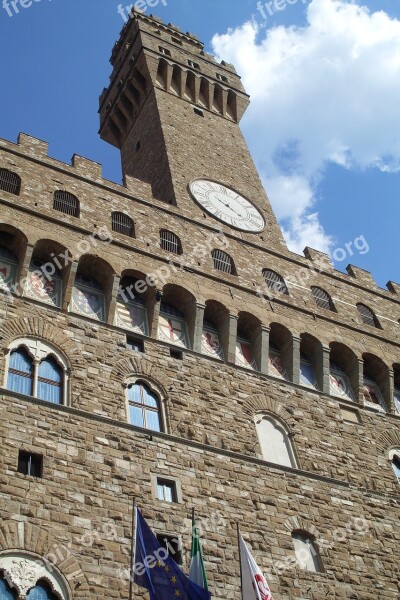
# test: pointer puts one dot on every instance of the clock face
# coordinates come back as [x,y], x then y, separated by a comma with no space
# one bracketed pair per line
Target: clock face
[227,205]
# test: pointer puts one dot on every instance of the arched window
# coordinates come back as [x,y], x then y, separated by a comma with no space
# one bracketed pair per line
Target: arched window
[41,591]
[20,372]
[66,203]
[10,182]
[210,341]
[8,268]
[397,399]
[170,242]
[44,286]
[27,577]
[307,374]
[6,593]
[394,456]
[307,554]
[276,367]
[144,407]
[172,327]
[372,393]
[322,298]
[367,315]
[396,395]
[340,385]
[50,381]
[131,311]
[122,223]
[223,262]
[274,442]
[88,298]
[244,351]
[35,369]
[275,282]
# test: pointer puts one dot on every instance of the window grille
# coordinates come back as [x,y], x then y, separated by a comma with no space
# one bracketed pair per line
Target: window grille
[367,316]
[223,262]
[122,223]
[322,298]
[170,242]
[275,282]
[10,182]
[66,203]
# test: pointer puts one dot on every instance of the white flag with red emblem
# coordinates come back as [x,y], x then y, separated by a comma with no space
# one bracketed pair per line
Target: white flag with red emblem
[254,584]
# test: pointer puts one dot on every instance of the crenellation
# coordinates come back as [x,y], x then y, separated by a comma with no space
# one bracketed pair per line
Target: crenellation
[33,146]
[363,276]
[188,349]
[86,167]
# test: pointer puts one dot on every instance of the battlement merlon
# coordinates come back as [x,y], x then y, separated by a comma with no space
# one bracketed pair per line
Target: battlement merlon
[81,166]
[156,24]
[90,170]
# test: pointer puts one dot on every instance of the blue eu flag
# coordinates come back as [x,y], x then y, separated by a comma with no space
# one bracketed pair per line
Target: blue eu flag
[156,571]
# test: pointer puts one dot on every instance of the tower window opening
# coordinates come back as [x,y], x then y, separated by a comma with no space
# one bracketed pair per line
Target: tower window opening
[222,78]
[170,242]
[66,203]
[10,182]
[194,65]
[198,112]
[367,315]
[275,282]
[223,262]
[322,298]
[164,51]
[122,223]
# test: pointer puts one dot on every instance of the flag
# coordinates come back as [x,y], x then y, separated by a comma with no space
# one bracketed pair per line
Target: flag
[254,585]
[197,572]
[156,571]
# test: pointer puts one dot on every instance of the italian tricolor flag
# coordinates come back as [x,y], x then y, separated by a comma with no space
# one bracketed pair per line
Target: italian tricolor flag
[197,572]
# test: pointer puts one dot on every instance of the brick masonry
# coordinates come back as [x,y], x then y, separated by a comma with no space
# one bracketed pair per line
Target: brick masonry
[95,463]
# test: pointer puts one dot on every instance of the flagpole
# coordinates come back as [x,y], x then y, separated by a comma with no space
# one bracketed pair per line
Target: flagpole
[240,562]
[133,548]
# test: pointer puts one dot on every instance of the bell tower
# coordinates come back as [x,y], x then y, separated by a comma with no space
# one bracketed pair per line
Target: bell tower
[174,113]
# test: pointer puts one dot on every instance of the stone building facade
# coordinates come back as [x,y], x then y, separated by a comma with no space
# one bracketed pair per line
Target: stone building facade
[160,342]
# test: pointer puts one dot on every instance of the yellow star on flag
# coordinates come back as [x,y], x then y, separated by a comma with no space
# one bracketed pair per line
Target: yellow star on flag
[173,579]
[159,563]
[177,593]
[166,568]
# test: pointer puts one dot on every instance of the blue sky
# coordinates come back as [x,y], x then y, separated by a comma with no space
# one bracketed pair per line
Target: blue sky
[323,126]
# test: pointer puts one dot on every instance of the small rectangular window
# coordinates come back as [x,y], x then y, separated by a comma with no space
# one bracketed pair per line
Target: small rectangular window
[166,490]
[177,354]
[222,78]
[30,464]
[176,41]
[135,344]
[164,51]
[173,544]
[198,112]
[194,65]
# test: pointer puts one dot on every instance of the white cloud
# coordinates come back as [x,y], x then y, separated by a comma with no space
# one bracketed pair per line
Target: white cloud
[328,92]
